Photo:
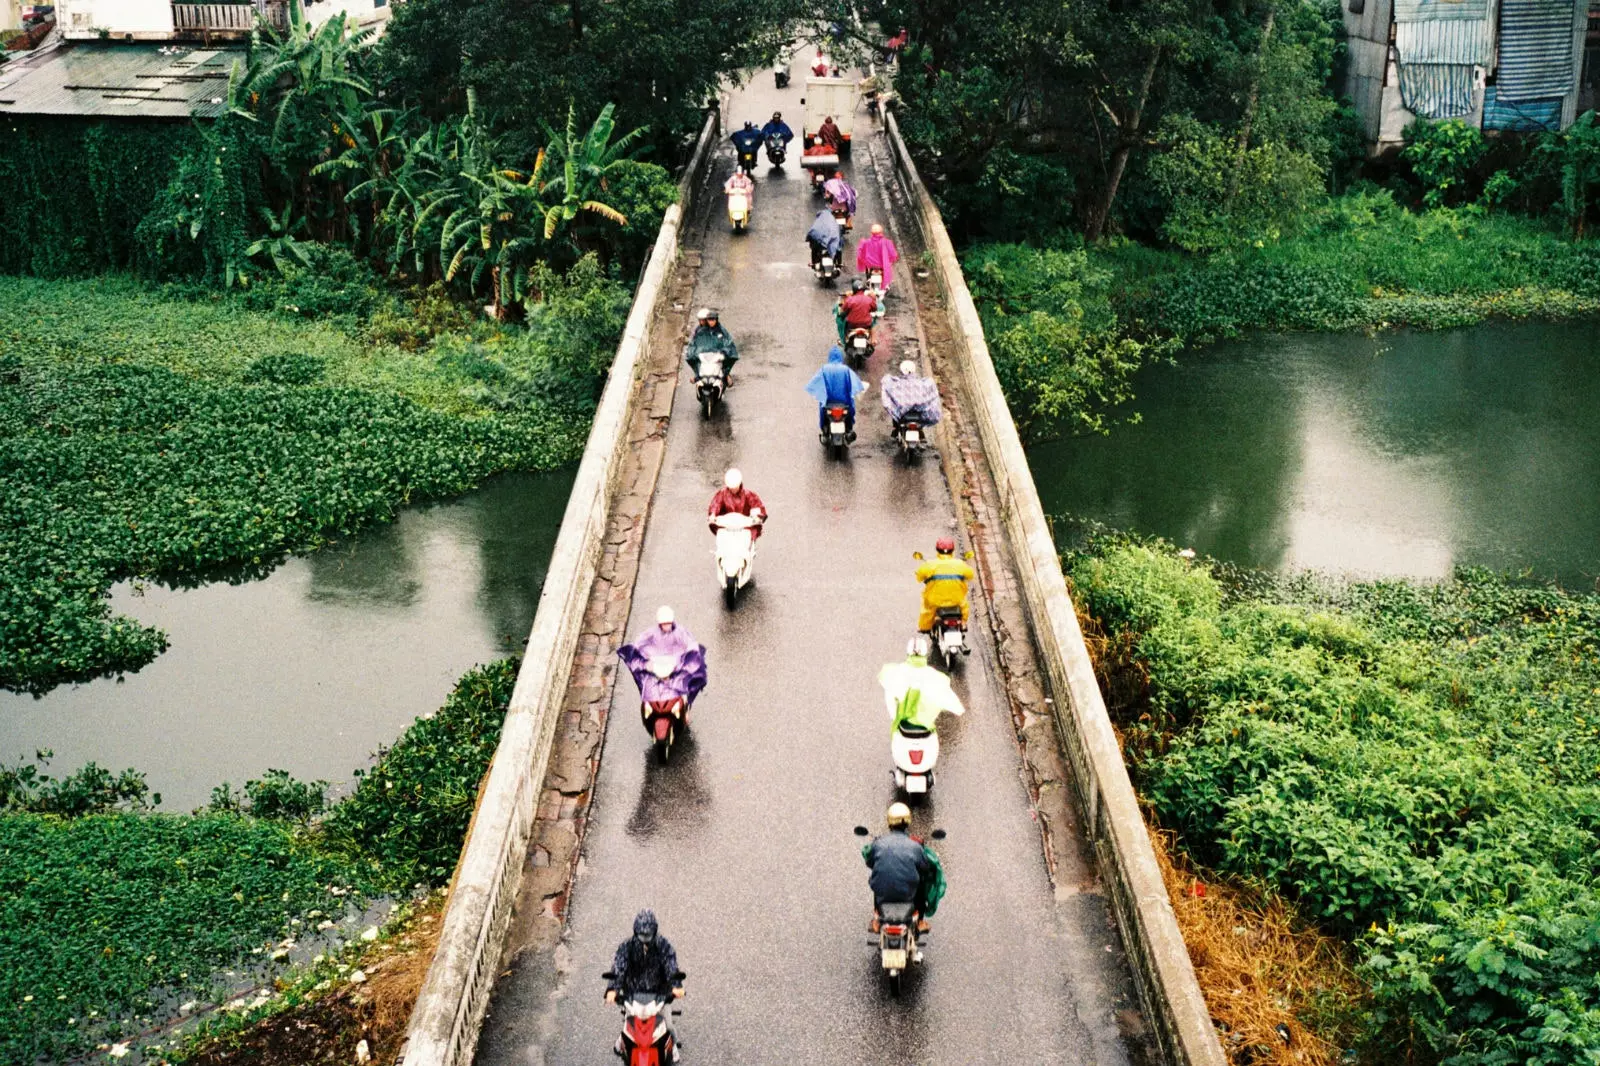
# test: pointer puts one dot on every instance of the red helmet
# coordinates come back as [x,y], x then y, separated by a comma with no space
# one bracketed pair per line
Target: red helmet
[945,545]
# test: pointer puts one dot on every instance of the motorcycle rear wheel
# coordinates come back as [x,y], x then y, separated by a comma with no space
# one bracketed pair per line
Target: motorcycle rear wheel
[706,403]
[730,592]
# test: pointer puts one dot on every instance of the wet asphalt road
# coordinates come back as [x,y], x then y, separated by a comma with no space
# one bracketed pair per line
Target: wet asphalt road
[743,845]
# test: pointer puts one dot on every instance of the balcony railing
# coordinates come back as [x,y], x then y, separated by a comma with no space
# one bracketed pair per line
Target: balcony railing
[228,19]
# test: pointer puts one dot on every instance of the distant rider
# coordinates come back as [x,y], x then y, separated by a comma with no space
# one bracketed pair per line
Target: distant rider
[944,583]
[908,395]
[824,237]
[708,336]
[746,141]
[777,128]
[857,309]
[646,964]
[878,252]
[734,498]
[836,383]
[904,870]
[831,135]
[837,191]
[740,181]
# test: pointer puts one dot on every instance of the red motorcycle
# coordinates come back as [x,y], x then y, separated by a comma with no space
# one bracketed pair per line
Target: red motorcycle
[647,1036]
[837,435]
[664,720]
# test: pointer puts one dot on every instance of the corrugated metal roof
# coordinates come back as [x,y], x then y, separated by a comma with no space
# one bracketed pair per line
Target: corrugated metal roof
[1439,10]
[1437,90]
[1536,49]
[1524,117]
[132,80]
[1456,41]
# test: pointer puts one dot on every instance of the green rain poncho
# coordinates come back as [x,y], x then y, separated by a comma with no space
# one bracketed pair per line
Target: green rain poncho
[916,692]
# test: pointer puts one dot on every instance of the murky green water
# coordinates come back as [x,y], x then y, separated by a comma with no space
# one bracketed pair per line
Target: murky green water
[313,668]
[1403,454]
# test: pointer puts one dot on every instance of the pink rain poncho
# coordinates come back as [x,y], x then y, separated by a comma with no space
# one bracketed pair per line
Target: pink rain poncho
[686,680]
[878,251]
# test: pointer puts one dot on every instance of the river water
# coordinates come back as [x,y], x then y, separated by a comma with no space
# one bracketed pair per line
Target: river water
[314,667]
[1401,454]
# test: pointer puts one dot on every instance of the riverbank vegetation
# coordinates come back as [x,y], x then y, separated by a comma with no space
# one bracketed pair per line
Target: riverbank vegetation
[1414,766]
[112,915]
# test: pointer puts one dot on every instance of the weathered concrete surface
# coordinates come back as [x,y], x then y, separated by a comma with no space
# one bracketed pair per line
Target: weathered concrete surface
[1174,1005]
[446,1019]
[742,845]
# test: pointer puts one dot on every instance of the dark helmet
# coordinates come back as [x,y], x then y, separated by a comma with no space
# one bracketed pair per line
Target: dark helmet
[749,125]
[777,116]
[644,926]
[857,285]
[945,546]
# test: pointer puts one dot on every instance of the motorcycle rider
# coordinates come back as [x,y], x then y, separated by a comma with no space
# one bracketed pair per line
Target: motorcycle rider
[740,181]
[907,395]
[831,135]
[916,692]
[777,128]
[878,252]
[647,963]
[667,638]
[837,191]
[824,237]
[904,870]
[734,498]
[746,142]
[710,335]
[856,309]
[836,383]
[944,583]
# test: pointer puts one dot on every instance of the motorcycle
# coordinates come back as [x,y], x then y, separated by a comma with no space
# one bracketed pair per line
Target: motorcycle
[647,1036]
[738,210]
[746,160]
[664,718]
[836,438]
[818,179]
[949,630]
[710,382]
[825,267]
[859,346]
[915,751]
[777,151]
[911,437]
[897,940]
[875,286]
[736,554]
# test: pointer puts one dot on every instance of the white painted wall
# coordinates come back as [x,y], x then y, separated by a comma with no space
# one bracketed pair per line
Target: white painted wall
[84,19]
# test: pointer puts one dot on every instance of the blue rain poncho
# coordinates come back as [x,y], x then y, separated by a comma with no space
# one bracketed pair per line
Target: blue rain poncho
[825,231]
[835,382]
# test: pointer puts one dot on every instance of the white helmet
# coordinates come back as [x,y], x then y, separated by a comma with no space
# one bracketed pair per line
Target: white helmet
[908,368]
[665,617]
[917,647]
[899,816]
[733,479]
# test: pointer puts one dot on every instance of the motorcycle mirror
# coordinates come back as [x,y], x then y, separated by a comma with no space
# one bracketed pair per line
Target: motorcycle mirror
[937,834]
[860,831]
[802,101]
[678,977]
[609,975]
[966,555]
[916,555]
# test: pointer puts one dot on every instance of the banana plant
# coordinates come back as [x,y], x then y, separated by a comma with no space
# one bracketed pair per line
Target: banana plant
[279,245]
[584,163]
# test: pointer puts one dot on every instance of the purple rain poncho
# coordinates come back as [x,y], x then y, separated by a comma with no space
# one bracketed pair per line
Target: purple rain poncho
[841,192]
[904,394]
[686,681]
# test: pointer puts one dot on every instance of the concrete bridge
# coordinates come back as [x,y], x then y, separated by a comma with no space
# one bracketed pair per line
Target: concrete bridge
[1056,942]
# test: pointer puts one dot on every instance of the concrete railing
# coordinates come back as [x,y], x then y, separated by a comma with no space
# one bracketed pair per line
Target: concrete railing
[1172,997]
[449,1011]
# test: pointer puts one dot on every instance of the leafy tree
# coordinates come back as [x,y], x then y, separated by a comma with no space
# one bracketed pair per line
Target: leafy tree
[1576,152]
[1442,156]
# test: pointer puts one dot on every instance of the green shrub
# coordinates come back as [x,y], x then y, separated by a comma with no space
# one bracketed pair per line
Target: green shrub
[409,814]
[1416,765]
[88,790]
[284,368]
[1442,156]
[274,795]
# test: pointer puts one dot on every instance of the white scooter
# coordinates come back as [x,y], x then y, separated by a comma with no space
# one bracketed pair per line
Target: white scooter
[915,752]
[736,553]
[710,382]
[738,210]
[875,288]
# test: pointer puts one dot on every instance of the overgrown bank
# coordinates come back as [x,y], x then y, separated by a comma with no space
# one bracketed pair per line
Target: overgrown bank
[1416,767]
[112,916]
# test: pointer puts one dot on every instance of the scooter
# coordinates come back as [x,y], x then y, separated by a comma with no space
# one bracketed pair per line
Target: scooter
[664,719]
[746,160]
[711,382]
[825,267]
[777,151]
[915,751]
[897,940]
[736,554]
[875,287]
[842,215]
[859,346]
[738,210]
[949,631]
[911,437]
[647,1036]
[818,179]
[837,436]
